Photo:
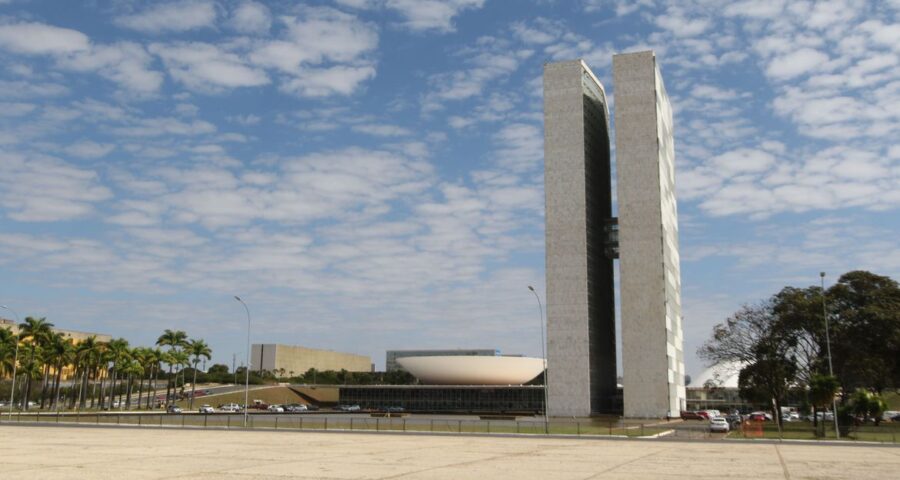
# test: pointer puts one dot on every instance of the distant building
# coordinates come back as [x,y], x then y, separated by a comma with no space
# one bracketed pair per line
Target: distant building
[297,360]
[391,364]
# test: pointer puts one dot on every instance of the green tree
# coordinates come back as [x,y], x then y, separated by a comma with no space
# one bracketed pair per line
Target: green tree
[174,339]
[866,404]
[822,389]
[754,337]
[864,309]
[197,349]
[38,331]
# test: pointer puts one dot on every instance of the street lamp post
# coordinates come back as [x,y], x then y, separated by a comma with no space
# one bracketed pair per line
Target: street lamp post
[12,390]
[546,367]
[837,431]
[247,379]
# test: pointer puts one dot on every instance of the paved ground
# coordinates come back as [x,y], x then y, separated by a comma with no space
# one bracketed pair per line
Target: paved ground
[106,453]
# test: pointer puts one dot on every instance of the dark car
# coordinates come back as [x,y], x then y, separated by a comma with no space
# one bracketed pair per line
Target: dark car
[691,415]
[311,407]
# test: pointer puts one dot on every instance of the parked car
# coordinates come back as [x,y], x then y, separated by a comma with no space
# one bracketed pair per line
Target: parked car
[347,408]
[275,409]
[311,407]
[734,420]
[230,407]
[790,417]
[895,418]
[719,424]
[703,414]
[760,417]
[691,415]
[889,415]
[395,409]
[174,409]
[295,408]
[207,409]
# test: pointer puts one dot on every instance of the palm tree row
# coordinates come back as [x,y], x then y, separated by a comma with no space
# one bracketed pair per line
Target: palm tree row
[100,374]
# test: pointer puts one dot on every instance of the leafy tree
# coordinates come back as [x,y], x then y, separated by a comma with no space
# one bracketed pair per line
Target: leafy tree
[867,404]
[38,331]
[217,369]
[822,389]
[865,340]
[754,337]
[174,339]
[197,349]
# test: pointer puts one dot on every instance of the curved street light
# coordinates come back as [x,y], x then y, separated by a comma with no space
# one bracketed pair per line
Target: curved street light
[247,379]
[12,390]
[546,366]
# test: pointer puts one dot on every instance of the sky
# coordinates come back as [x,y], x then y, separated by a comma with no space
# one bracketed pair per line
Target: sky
[368,174]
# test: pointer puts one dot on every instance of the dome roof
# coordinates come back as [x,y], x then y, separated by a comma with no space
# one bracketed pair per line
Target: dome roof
[473,370]
[720,375]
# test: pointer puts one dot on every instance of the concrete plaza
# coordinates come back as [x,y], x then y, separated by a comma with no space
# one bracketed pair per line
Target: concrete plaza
[150,453]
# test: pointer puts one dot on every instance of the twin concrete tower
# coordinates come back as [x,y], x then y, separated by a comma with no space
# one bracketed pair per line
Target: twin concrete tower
[584,239]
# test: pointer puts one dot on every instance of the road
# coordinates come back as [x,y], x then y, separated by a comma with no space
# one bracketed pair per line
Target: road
[74,453]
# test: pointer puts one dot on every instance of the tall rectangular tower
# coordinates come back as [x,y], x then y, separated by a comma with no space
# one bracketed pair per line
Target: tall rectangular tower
[649,272]
[581,341]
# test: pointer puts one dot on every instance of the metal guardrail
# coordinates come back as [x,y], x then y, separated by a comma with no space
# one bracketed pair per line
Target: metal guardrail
[357,422]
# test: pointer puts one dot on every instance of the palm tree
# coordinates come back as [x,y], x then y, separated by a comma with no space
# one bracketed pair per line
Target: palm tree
[130,368]
[154,357]
[38,330]
[174,340]
[139,354]
[84,352]
[30,367]
[7,350]
[182,360]
[119,354]
[60,354]
[197,348]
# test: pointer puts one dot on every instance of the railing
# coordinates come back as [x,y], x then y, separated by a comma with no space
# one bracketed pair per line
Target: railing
[886,433]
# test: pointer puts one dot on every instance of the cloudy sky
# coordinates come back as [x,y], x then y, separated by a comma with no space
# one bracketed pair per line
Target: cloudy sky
[367,174]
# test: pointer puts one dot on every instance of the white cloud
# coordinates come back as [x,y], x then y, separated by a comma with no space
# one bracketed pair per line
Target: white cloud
[17,109]
[519,146]
[89,149]
[796,63]
[251,17]
[349,39]
[742,160]
[41,39]
[382,130]
[125,63]
[437,15]
[207,68]
[177,16]
[45,189]
[342,80]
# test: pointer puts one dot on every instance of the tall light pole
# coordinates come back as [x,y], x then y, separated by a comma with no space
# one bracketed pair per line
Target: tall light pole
[247,379]
[834,413]
[12,390]
[544,358]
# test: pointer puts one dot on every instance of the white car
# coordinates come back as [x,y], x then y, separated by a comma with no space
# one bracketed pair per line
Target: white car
[207,409]
[276,409]
[230,407]
[718,424]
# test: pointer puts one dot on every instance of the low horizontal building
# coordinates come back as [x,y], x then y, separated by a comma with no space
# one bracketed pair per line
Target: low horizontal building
[75,335]
[391,364]
[295,360]
[471,399]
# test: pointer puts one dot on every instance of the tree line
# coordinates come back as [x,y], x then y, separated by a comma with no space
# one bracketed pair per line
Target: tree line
[100,374]
[781,346]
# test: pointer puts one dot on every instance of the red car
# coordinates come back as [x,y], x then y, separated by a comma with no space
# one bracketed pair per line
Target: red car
[689,415]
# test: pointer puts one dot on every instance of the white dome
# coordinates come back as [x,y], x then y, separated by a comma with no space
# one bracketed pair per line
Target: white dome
[721,375]
[473,370]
